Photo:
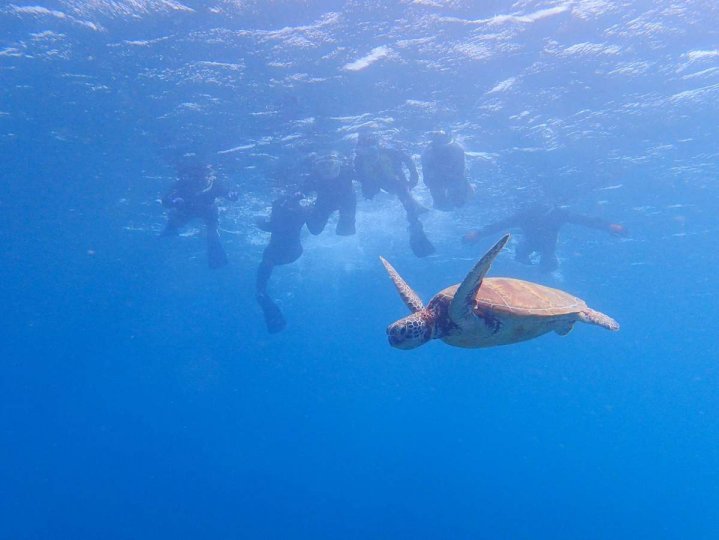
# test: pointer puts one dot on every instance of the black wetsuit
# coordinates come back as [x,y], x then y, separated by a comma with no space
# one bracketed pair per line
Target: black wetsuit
[443,172]
[194,198]
[285,225]
[333,194]
[540,225]
[378,168]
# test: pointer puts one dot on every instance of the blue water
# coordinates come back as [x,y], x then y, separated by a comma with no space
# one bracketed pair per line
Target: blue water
[140,393]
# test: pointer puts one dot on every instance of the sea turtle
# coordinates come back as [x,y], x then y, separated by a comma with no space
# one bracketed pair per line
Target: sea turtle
[484,312]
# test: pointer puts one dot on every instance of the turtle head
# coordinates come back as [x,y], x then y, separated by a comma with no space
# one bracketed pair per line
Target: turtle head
[412,331]
[415,329]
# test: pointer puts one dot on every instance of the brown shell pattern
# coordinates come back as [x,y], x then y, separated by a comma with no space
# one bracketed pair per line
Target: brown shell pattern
[522,298]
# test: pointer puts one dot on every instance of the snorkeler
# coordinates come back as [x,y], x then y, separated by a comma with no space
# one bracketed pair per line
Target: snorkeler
[285,225]
[381,168]
[193,196]
[443,172]
[332,182]
[540,225]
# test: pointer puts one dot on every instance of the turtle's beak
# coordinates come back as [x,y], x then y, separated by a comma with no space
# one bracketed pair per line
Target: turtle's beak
[402,336]
[396,335]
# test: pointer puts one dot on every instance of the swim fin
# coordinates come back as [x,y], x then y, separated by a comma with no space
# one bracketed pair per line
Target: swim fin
[216,256]
[418,241]
[274,320]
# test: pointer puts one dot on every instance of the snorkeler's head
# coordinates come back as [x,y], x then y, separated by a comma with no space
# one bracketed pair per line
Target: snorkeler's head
[441,137]
[193,171]
[367,138]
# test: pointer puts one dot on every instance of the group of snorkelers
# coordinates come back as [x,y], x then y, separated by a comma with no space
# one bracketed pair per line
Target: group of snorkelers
[377,167]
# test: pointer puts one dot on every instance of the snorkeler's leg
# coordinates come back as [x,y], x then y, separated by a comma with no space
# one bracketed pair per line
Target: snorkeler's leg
[348,210]
[411,205]
[418,241]
[274,320]
[264,271]
[458,194]
[440,200]
[175,220]
[317,219]
[370,188]
[216,256]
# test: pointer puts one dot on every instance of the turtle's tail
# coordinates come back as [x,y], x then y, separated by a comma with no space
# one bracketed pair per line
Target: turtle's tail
[600,319]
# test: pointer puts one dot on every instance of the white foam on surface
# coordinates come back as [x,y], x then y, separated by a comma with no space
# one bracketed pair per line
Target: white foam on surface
[694,56]
[237,149]
[40,11]
[515,18]
[503,86]
[374,56]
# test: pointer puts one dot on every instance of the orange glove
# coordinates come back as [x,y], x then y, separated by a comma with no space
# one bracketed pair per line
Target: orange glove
[618,230]
[471,237]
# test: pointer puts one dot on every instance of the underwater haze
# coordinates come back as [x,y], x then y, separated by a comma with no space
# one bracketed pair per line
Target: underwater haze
[141,393]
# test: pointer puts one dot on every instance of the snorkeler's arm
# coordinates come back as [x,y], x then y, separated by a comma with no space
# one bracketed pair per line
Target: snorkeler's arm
[598,223]
[225,192]
[212,188]
[474,235]
[411,167]
[217,189]
[170,198]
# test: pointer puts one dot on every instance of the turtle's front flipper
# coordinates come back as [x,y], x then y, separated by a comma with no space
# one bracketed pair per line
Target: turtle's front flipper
[409,297]
[464,297]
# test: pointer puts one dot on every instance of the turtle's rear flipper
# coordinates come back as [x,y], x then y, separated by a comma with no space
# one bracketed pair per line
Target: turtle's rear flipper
[274,320]
[600,319]
[565,328]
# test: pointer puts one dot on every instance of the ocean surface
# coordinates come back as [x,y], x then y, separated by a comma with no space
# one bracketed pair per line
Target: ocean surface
[141,395]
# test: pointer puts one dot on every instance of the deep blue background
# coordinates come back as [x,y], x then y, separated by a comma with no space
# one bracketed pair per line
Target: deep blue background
[140,394]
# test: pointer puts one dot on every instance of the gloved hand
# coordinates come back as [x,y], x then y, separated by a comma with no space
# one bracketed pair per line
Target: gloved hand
[233,196]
